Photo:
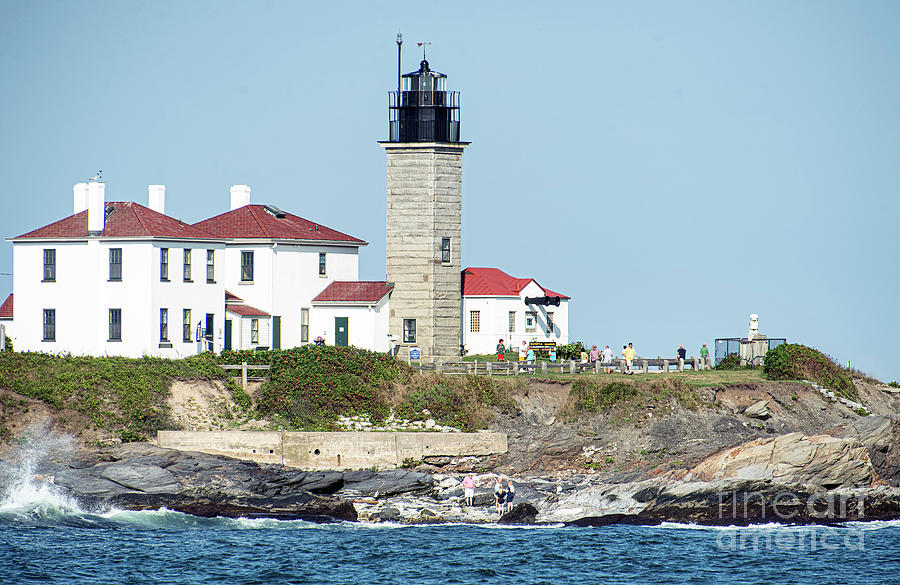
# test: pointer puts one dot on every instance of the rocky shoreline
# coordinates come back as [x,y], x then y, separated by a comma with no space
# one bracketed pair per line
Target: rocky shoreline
[790,478]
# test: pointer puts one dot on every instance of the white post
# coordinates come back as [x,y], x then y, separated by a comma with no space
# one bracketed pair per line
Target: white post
[244,376]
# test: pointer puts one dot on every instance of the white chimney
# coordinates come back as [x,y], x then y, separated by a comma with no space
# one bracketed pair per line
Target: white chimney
[240,196]
[81,197]
[157,198]
[96,201]
[754,327]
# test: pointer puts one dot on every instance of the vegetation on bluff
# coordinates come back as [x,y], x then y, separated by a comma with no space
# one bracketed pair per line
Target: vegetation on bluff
[121,395]
[311,386]
[593,394]
[791,361]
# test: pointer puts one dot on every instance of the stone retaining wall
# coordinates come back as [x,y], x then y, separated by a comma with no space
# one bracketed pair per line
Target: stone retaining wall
[350,450]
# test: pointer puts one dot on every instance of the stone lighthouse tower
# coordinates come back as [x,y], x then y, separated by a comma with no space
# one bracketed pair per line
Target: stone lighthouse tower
[424,214]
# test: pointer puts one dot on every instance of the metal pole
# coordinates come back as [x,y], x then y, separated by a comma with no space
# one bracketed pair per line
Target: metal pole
[399,45]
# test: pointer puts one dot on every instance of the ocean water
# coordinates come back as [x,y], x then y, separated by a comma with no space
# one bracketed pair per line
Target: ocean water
[47,538]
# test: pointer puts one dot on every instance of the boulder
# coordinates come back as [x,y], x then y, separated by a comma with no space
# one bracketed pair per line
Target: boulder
[758,410]
[522,513]
[387,483]
[792,459]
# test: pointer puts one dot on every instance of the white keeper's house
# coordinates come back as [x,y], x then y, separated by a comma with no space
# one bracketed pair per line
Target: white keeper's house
[115,278]
[121,278]
[498,306]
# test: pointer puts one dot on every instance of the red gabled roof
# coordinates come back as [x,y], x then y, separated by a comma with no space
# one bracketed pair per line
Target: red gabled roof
[361,291]
[124,219]
[493,282]
[232,297]
[253,221]
[246,310]
[6,309]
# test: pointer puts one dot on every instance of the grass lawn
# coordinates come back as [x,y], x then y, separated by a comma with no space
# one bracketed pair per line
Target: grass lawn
[693,379]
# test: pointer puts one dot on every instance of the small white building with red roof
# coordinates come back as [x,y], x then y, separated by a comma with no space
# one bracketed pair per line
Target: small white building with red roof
[357,312]
[498,306]
[6,319]
[246,327]
[116,278]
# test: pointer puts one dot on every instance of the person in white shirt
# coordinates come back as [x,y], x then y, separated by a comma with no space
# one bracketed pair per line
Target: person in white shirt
[607,359]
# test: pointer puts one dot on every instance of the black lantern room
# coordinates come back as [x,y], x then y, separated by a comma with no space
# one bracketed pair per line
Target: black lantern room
[421,110]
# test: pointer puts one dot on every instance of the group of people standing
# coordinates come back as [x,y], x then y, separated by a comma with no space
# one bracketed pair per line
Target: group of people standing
[526,354]
[503,494]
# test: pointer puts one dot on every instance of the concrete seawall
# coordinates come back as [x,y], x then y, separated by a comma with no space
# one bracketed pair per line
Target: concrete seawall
[351,450]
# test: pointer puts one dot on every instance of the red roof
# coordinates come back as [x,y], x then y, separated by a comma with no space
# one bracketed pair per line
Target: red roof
[493,282]
[123,219]
[6,309]
[254,221]
[362,291]
[245,310]
[232,297]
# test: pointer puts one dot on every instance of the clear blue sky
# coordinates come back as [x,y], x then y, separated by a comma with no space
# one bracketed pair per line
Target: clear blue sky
[673,166]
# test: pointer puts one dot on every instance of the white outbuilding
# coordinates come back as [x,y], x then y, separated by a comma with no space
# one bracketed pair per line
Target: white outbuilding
[498,306]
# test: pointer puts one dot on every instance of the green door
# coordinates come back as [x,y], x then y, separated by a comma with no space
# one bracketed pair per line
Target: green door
[276,332]
[227,334]
[341,331]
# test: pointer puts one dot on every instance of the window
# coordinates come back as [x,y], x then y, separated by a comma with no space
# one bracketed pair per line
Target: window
[549,323]
[321,263]
[304,325]
[409,331]
[115,324]
[49,265]
[512,321]
[115,263]
[187,265]
[163,264]
[474,321]
[530,321]
[164,324]
[254,330]
[247,266]
[445,250]
[210,266]
[186,326]
[49,324]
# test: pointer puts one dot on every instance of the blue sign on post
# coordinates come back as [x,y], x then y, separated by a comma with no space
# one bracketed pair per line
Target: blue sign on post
[415,353]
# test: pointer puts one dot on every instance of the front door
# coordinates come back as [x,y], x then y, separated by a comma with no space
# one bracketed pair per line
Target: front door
[210,331]
[276,332]
[228,334]
[341,331]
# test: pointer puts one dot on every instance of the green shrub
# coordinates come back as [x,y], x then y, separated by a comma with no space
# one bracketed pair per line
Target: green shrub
[731,362]
[570,351]
[311,386]
[8,344]
[791,361]
[894,384]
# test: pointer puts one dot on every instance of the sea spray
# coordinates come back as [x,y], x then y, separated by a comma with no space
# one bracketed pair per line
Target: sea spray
[25,487]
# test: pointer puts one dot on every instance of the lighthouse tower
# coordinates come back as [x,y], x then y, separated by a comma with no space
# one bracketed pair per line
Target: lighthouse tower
[424,214]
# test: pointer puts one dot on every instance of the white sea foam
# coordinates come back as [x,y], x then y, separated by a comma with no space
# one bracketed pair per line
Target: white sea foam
[25,492]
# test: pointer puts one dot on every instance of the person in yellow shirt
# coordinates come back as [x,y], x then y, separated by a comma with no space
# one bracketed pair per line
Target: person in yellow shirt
[628,353]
